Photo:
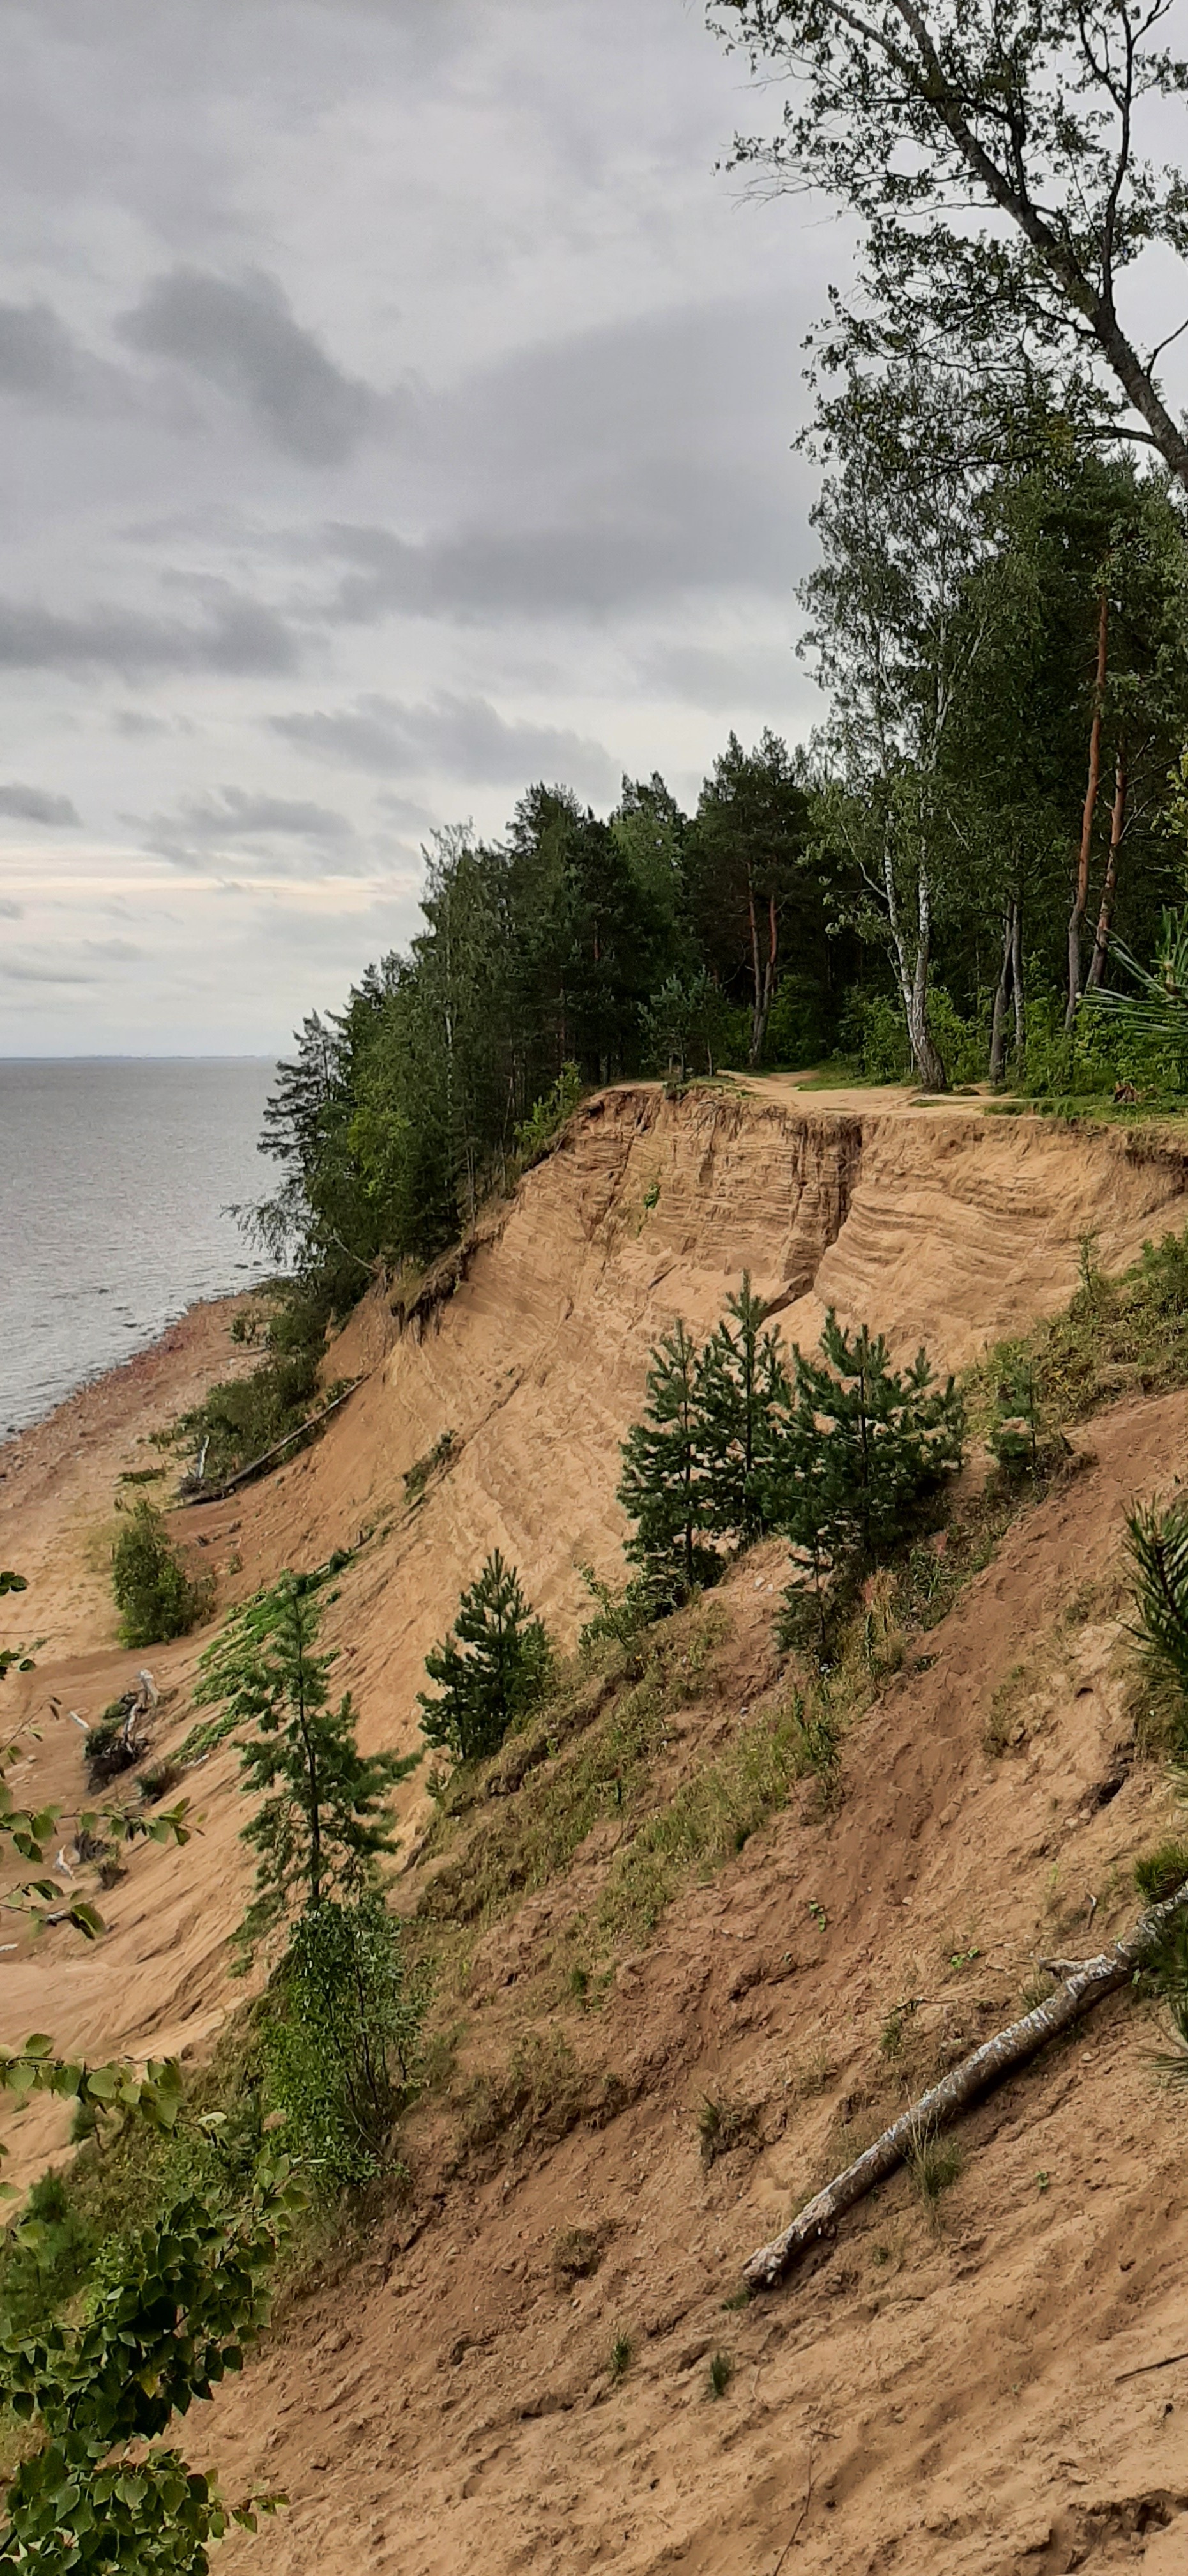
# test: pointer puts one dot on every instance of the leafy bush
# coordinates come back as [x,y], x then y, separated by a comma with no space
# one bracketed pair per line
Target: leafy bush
[492,1668]
[100,2491]
[240,1419]
[548,1116]
[341,2040]
[154,1595]
[45,2259]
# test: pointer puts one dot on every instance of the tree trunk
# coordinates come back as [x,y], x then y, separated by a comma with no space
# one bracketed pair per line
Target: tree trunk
[1084,1984]
[1002,995]
[1020,1000]
[1109,891]
[1081,889]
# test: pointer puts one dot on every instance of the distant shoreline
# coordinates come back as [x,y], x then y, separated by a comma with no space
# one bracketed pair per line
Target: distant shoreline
[165,1340]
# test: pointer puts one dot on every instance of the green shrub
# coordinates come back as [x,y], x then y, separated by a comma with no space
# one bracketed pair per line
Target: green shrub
[1158,1875]
[240,1419]
[548,1116]
[45,2260]
[340,2047]
[154,1595]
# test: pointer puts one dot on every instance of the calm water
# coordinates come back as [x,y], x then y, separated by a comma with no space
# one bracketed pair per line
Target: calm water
[113,1182]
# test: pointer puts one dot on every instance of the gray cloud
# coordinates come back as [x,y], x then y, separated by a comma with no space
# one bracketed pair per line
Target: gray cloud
[34,805]
[43,364]
[202,830]
[464,736]
[10,911]
[243,339]
[238,636]
[22,970]
[121,951]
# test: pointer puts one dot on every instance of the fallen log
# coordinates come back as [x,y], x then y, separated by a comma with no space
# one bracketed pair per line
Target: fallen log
[1084,1983]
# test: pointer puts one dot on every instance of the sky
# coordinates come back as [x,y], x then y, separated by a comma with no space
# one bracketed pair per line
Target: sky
[397,405]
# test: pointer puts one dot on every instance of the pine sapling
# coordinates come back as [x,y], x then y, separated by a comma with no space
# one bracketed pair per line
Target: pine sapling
[491,1669]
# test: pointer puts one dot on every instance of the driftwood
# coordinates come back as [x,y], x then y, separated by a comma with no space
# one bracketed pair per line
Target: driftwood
[194,1489]
[1084,1983]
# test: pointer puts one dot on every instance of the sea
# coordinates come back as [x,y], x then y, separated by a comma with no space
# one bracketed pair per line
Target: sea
[117,1177]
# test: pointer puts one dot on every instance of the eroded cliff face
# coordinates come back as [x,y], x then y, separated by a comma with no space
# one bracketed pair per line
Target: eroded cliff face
[931,2402]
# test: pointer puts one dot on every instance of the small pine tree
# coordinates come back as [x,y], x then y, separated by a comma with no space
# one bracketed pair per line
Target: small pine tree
[663,1484]
[491,1668]
[863,1446]
[741,1392]
[1014,1436]
[323,1822]
[1157,1545]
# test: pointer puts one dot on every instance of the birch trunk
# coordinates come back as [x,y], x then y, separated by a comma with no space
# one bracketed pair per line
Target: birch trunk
[1081,889]
[1084,1984]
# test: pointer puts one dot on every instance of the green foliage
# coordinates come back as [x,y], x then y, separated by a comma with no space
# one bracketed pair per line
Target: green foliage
[10,1655]
[1166,1974]
[866,1448]
[1013,1438]
[684,1024]
[541,1128]
[1160,1873]
[721,2372]
[154,1595]
[622,2354]
[491,1669]
[45,2259]
[242,1418]
[741,1396]
[322,1822]
[418,1475]
[341,2039]
[663,1487]
[101,2490]
[934,2164]
[1157,1545]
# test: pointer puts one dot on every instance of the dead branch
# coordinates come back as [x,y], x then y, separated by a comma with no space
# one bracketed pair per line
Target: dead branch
[1145,2366]
[1084,1983]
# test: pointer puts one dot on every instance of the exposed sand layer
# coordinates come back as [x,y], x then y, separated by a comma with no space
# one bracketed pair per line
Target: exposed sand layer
[953,2396]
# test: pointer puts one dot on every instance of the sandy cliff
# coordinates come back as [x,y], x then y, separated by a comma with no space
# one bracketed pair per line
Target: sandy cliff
[950,2399]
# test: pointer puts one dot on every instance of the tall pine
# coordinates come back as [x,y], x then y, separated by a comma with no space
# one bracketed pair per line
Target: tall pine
[741,1393]
[663,1487]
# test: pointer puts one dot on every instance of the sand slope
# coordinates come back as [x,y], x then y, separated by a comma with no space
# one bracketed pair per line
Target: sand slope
[950,2399]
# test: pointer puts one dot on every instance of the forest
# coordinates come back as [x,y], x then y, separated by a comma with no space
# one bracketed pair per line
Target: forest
[980,852]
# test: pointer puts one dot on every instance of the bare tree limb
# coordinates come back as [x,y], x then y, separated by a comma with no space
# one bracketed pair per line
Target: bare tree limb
[1085,1983]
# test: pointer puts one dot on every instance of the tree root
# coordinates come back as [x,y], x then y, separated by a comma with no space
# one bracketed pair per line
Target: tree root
[1084,1983]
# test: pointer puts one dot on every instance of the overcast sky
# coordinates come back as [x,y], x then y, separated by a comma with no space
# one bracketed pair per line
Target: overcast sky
[395,407]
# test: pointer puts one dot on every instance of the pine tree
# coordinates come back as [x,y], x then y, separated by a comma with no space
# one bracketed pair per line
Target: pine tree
[663,1486]
[491,1668]
[323,1822]
[741,1391]
[864,1444]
